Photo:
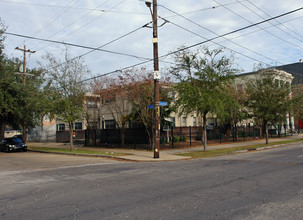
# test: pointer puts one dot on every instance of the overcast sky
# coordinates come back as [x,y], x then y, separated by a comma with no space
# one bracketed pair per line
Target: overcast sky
[94,23]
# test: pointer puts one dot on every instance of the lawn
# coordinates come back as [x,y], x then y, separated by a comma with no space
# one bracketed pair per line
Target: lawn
[76,151]
[225,151]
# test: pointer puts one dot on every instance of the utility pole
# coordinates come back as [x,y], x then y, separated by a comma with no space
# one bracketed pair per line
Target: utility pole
[156,133]
[24,80]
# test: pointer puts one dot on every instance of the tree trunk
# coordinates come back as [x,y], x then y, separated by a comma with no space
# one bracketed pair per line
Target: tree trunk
[149,137]
[266,132]
[2,130]
[122,136]
[204,132]
[71,136]
[236,131]
[24,132]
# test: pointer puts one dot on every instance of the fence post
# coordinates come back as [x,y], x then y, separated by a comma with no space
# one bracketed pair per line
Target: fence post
[95,134]
[190,136]
[220,130]
[285,129]
[85,136]
[290,125]
[172,137]
[244,133]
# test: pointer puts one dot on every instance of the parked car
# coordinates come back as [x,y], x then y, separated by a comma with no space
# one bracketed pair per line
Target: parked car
[13,144]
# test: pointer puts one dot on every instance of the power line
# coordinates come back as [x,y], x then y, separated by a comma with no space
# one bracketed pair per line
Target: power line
[76,8]
[170,53]
[112,41]
[225,46]
[74,22]
[57,15]
[92,19]
[76,45]
[217,35]
[235,31]
[200,43]
[61,12]
[270,16]
[280,38]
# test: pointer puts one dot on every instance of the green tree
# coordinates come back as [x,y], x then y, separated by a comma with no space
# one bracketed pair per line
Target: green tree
[202,76]
[235,110]
[19,103]
[297,91]
[268,98]
[64,89]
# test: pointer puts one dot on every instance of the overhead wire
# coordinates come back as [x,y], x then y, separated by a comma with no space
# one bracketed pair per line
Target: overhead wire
[56,16]
[116,5]
[287,33]
[235,31]
[65,27]
[200,43]
[76,45]
[280,38]
[173,52]
[76,8]
[246,48]
[270,16]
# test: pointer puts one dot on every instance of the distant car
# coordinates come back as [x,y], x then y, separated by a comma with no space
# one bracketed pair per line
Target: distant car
[13,144]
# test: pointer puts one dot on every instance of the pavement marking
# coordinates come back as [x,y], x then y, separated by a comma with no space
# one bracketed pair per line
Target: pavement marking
[50,168]
[300,156]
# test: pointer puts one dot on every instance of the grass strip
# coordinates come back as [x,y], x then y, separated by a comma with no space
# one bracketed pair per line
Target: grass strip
[76,151]
[226,151]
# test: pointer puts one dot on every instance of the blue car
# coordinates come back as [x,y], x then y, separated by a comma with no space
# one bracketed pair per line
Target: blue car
[13,144]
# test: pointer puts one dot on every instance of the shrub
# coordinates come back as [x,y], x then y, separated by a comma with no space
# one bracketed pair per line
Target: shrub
[183,138]
[176,138]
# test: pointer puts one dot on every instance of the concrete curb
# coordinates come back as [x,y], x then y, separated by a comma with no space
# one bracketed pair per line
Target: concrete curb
[265,148]
[83,155]
[156,160]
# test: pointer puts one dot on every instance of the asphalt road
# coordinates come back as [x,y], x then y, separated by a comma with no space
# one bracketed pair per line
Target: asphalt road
[256,185]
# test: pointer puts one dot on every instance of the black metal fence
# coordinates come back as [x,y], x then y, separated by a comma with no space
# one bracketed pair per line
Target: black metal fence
[176,136]
[132,136]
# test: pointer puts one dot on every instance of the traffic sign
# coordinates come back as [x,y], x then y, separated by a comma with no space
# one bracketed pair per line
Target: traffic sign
[161,103]
[150,106]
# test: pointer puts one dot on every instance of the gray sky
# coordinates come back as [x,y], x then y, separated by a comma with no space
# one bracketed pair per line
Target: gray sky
[94,23]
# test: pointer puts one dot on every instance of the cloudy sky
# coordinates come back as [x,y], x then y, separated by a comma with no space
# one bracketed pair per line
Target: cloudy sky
[117,28]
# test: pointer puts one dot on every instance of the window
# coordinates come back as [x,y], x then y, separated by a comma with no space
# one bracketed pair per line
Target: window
[110,124]
[91,104]
[109,98]
[61,127]
[184,121]
[78,126]
[194,121]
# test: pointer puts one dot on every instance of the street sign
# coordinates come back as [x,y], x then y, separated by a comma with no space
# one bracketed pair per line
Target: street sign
[161,103]
[150,106]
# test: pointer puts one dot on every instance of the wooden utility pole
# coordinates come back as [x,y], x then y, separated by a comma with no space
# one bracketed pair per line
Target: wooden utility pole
[156,80]
[157,76]
[24,80]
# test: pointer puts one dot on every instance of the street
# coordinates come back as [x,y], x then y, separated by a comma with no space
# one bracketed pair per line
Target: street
[256,185]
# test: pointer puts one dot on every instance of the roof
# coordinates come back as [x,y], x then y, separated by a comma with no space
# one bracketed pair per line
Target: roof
[296,69]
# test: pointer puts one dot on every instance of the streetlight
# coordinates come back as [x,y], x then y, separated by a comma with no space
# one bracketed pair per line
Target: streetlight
[156,133]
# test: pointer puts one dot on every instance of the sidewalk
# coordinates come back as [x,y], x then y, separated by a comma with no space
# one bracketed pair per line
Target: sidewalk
[167,154]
